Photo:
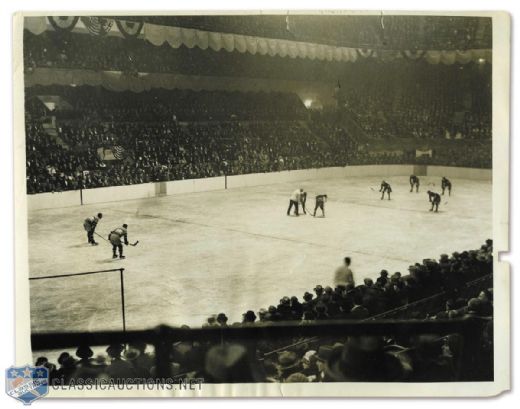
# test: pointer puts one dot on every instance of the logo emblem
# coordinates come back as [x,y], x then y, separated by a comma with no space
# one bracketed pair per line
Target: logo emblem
[27,383]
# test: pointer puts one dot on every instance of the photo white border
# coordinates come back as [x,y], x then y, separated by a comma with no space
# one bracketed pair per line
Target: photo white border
[501,62]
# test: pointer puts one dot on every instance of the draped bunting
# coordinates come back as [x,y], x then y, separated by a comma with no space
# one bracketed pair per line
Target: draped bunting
[98,25]
[176,37]
[413,55]
[65,23]
[129,29]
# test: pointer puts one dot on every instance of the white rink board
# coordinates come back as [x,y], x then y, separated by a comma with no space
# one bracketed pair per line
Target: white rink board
[119,193]
[147,190]
[53,200]
[195,185]
[462,173]
[378,170]
[234,250]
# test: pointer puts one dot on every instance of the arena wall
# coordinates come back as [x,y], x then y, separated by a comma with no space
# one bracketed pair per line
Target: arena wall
[259,179]
[53,200]
[119,193]
[378,170]
[460,173]
[195,185]
[148,190]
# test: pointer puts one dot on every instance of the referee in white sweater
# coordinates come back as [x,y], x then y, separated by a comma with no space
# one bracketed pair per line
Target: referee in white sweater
[294,201]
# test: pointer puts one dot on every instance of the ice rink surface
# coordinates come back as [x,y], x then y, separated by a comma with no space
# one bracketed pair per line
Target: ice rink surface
[234,250]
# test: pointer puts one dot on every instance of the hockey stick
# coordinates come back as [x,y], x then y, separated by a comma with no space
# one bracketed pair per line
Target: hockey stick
[99,235]
[134,244]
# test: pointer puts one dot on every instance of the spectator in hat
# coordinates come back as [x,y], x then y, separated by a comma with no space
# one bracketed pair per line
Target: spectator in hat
[88,370]
[358,311]
[263,315]
[308,302]
[142,359]
[383,278]
[273,313]
[309,363]
[297,377]
[248,318]
[222,319]
[85,354]
[284,308]
[320,311]
[118,368]
[288,363]
[131,356]
[211,322]
[67,368]
[296,309]
[271,371]
[363,359]
[430,362]
[323,355]
[43,361]
[229,363]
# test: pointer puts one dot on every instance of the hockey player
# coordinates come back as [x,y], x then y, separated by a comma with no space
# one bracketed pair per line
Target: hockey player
[446,184]
[294,201]
[385,187]
[320,204]
[115,237]
[414,182]
[89,224]
[303,200]
[435,200]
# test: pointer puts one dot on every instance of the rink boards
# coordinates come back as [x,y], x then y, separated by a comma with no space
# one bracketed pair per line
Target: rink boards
[157,189]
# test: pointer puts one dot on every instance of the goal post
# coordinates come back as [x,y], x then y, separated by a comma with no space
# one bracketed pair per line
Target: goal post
[89,273]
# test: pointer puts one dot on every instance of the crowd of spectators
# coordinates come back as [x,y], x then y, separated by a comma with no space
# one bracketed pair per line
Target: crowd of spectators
[235,133]
[158,139]
[454,106]
[95,104]
[397,357]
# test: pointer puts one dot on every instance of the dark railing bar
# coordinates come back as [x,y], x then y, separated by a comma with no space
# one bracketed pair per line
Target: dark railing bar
[41,341]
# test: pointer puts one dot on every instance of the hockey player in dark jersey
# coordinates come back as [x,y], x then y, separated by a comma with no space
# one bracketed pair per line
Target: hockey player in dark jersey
[385,187]
[446,184]
[320,204]
[115,237]
[435,200]
[89,224]
[414,182]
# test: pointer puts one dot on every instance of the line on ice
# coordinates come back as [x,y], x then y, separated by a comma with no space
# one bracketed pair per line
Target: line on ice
[265,236]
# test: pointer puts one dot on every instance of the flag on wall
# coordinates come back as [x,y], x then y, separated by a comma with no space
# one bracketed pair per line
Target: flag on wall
[114,153]
[119,152]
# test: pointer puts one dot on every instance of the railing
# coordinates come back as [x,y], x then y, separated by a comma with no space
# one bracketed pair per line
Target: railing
[163,337]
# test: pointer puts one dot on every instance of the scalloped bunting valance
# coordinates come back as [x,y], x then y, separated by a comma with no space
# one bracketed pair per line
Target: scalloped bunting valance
[177,36]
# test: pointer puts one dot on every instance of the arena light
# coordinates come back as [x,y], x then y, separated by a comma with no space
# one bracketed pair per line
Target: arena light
[307,103]
[481,60]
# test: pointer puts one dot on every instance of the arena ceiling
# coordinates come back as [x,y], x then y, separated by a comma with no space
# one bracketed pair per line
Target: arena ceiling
[395,32]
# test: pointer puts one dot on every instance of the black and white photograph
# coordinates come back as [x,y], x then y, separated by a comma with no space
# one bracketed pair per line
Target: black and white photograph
[275,198]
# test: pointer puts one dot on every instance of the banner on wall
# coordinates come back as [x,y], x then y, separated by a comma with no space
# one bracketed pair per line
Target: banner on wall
[426,152]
